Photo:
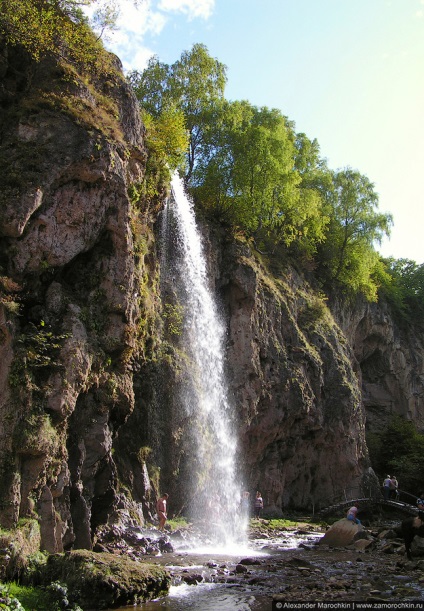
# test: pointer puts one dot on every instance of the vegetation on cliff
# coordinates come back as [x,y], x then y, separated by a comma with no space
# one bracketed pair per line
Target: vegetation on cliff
[247,167]
[58,28]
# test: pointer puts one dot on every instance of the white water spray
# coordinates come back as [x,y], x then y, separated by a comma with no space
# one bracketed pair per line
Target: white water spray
[215,492]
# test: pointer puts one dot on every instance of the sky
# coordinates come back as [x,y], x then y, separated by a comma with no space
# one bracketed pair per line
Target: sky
[349,73]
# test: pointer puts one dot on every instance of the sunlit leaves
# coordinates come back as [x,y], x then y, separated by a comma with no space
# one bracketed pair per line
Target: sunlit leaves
[348,255]
[403,285]
[167,137]
[56,27]
[191,85]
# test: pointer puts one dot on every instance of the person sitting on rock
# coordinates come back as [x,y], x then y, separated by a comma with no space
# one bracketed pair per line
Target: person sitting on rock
[351,515]
[420,501]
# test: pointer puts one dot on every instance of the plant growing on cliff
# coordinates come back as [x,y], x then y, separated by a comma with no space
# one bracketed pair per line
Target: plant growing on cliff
[173,315]
[59,28]
[35,435]
[40,345]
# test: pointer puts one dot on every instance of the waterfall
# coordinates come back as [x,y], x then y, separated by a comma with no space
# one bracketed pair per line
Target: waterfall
[203,395]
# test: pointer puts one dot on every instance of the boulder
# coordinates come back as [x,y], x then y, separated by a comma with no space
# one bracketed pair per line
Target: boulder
[103,580]
[341,533]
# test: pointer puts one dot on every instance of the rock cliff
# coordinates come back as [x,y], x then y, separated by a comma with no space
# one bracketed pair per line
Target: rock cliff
[70,275]
[88,367]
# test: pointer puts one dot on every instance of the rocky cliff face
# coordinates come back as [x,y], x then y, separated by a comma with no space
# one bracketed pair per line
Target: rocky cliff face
[294,382]
[390,359]
[70,306]
[89,428]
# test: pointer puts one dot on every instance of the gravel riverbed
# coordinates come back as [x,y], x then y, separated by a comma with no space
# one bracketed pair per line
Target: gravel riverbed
[288,565]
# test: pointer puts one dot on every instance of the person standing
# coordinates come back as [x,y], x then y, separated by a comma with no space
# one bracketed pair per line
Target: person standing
[161,508]
[245,504]
[394,492]
[386,488]
[259,505]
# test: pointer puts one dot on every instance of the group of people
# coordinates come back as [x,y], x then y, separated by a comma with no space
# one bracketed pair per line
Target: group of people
[390,488]
[161,507]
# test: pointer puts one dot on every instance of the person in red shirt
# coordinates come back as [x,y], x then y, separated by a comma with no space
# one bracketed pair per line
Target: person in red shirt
[161,509]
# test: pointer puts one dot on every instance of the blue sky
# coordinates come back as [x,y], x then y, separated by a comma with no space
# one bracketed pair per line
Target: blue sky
[347,72]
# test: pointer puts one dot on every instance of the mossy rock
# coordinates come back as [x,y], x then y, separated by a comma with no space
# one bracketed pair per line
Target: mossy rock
[104,581]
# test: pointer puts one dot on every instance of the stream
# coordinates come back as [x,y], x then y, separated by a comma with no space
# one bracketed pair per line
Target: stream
[291,565]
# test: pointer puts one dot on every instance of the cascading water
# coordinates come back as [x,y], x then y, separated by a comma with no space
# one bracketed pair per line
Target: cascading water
[214,491]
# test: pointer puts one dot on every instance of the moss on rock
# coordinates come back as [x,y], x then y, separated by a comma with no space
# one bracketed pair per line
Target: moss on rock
[103,581]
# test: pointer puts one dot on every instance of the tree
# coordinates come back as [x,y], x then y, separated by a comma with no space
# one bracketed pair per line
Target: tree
[152,86]
[348,255]
[247,176]
[193,84]
[403,286]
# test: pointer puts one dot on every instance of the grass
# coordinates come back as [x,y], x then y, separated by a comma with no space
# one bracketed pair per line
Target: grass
[32,599]
[277,524]
[177,523]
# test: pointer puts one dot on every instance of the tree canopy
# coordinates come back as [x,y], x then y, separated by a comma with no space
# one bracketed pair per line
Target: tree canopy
[248,167]
[403,286]
[192,85]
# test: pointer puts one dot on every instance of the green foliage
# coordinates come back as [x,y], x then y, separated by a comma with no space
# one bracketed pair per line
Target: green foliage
[56,27]
[35,435]
[347,256]
[403,286]
[53,597]
[40,345]
[167,142]
[246,177]
[173,315]
[144,453]
[167,138]
[313,312]
[400,450]
[177,523]
[190,86]
[9,295]
[8,600]
[22,542]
